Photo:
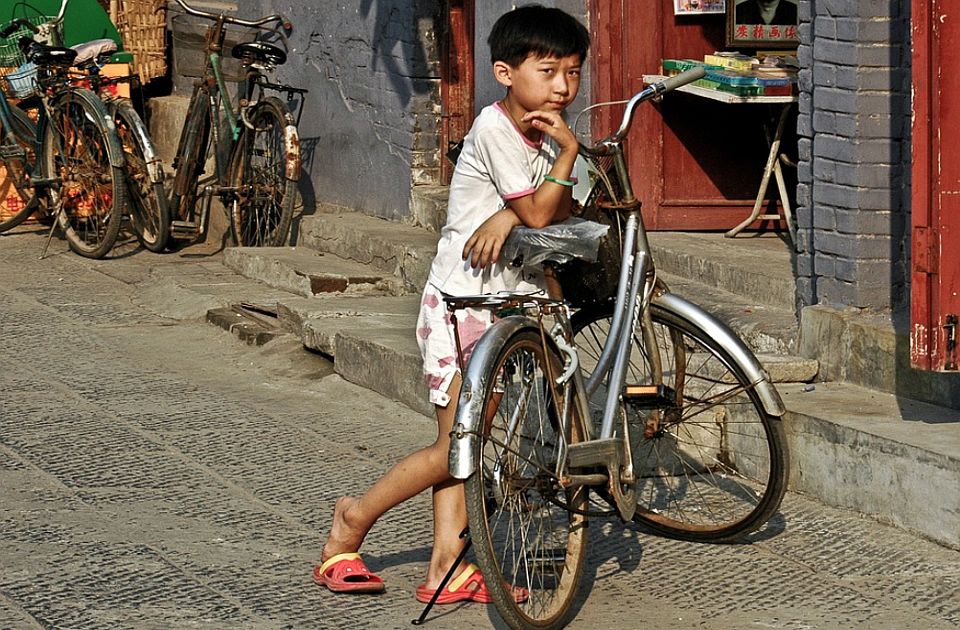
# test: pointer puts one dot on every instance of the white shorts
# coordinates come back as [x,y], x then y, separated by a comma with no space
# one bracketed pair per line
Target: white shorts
[437,340]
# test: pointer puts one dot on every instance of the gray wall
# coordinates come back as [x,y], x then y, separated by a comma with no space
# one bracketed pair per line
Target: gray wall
[853,127]
[369,129]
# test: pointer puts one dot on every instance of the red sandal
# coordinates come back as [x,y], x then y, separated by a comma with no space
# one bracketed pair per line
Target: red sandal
[466,587]
[346,573]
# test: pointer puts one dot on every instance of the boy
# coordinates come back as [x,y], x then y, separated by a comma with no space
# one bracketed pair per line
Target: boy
[514,169]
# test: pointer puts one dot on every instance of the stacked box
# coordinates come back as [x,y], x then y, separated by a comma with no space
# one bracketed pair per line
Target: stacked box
[731,61]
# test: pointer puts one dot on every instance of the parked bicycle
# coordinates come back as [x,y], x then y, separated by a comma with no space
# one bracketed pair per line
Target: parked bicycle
[146,196]
[643,406]
[257,183]
[71,162]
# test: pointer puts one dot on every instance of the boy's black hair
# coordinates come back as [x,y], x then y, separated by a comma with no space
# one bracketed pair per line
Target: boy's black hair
[537,30]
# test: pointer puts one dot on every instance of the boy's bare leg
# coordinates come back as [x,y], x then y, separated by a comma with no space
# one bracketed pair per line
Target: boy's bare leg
[425,468]
[449,507]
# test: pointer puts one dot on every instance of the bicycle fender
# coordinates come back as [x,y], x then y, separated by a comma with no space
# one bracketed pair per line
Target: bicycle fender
[291,145]
[114,148]
[729,341]
[154,165]
[463,436]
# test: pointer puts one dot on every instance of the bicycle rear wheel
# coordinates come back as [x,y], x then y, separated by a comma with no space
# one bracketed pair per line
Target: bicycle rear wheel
[147,204]
[20,201]
[91,193]
[711,464]
[528,537]
[191,159]
[264,170]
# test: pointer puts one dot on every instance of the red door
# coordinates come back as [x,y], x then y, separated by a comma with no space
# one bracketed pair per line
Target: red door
[456,79]
[696,163]
[935,196]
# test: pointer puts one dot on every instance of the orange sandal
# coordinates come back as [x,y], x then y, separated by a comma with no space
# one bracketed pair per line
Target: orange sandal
[346,573]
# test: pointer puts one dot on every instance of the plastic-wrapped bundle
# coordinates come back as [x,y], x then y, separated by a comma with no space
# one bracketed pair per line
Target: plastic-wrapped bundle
[559,243]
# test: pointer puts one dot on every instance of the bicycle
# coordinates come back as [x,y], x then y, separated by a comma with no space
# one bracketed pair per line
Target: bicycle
[643,406]
[257,184]
[71,160]
[146,196]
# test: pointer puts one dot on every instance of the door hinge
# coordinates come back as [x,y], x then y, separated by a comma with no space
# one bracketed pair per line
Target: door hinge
[926,250]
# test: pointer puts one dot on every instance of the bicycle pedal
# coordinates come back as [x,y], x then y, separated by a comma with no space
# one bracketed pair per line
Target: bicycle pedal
[12,151]
[184,230]
[650,396]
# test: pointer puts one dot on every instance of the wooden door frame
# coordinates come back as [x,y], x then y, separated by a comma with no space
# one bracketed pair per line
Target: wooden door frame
[934,271]
[456,78]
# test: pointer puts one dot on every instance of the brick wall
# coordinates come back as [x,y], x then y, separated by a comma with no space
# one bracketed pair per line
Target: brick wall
[370,125]
[853,130]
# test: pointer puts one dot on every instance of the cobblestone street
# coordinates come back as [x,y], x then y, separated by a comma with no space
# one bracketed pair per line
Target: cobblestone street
[157,473]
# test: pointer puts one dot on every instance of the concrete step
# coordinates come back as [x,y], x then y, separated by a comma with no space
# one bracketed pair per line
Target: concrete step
[307,272]
[757,267]
[766,329]
[402,250]
[884,455]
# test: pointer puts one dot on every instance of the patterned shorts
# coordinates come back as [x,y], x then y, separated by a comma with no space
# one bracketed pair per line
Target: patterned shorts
[435,336]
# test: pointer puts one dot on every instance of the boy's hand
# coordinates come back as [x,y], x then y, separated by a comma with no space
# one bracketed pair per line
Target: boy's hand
[483,246]
[554,126]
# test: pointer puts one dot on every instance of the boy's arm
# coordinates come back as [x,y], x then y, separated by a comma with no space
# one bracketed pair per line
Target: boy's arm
[551,202]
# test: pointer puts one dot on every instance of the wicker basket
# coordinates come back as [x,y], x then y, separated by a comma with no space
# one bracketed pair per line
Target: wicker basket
[19,76]
[143,31]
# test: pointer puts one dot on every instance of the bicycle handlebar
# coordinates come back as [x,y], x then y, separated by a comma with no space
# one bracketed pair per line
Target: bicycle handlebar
[651,91]
[276,17]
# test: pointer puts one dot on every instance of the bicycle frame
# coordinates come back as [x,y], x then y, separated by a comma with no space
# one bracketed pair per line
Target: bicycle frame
[11,136]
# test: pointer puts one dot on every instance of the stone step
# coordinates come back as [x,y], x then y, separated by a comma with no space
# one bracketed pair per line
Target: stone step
[766,329]
[308,272]
[757,267]
[878,453]
[402,250]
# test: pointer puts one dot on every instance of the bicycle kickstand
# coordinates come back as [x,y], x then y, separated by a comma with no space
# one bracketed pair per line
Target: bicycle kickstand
[446,579]
[56,220]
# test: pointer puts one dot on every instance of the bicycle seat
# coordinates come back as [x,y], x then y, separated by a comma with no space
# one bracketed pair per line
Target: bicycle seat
[94,49]
[43,55]
[261,52]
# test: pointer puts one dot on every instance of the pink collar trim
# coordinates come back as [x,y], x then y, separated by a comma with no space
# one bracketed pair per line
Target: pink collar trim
[528,141]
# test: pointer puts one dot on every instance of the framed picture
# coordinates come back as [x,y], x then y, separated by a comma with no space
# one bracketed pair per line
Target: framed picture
[762,23]
[698,7]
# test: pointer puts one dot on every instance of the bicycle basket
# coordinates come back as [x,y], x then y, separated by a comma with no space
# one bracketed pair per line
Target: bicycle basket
[19,75]
[585,283]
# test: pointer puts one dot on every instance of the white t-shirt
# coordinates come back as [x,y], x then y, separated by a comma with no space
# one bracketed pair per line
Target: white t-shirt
[497,164]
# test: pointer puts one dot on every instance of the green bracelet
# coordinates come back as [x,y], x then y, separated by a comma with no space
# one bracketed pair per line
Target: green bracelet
[562,182]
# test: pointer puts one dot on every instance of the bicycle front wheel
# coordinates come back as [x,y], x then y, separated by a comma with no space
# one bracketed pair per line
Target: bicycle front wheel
[20,164]
[147,204]
[91,192]
[264,171]
[529,530]
[711,464]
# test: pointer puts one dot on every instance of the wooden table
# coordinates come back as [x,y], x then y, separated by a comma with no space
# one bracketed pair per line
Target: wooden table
[774,157]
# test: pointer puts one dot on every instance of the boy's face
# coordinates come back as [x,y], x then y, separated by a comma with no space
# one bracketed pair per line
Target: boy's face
[541,83]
